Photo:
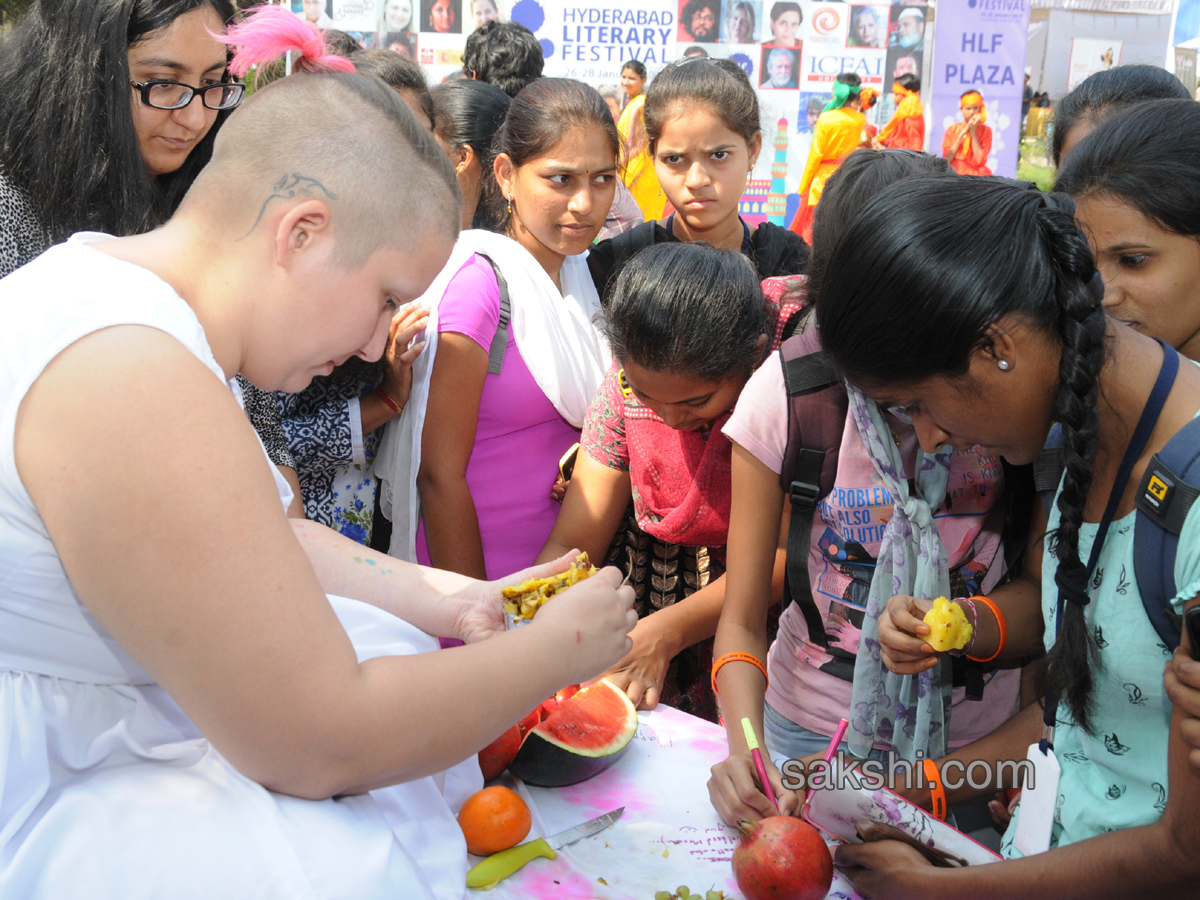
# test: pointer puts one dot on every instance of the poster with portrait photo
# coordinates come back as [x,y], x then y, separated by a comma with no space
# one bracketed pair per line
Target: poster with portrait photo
[783,21]
[398,15]
[441,16]
[907,28]
[699,21]
[779,68]
[477,12]
[868,27]
[740,24]
[315,11]
[900,61]
[812,103]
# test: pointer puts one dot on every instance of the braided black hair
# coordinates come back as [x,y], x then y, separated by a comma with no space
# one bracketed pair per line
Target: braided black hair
[932,263]
[1081,327]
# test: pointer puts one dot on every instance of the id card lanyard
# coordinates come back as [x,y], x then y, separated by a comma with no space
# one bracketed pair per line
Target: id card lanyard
[1037,803]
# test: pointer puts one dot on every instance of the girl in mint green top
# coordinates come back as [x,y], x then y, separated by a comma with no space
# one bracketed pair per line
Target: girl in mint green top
[976,306]
[1116,777]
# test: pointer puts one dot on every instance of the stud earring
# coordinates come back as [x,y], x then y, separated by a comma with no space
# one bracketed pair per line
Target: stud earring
[1004,365]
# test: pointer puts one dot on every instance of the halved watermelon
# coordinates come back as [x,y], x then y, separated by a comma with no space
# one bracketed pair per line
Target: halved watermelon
[583,735]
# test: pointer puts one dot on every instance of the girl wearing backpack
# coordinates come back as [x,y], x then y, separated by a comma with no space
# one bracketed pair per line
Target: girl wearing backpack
[817,672]
[1012,337]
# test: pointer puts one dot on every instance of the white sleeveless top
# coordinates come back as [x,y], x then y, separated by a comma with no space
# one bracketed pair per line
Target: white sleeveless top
[106,788]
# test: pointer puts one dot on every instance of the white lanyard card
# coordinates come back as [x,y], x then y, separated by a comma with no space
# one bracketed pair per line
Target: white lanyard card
[1035,818]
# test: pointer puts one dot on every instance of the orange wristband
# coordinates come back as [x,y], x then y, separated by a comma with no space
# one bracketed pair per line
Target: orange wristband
[1000,624]
[936,791]
[736,657]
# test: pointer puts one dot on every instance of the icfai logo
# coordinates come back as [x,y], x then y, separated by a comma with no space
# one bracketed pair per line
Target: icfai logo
[826,20]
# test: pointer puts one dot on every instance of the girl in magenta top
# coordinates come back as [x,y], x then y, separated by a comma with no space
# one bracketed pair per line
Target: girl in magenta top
[490,443]
[519,435]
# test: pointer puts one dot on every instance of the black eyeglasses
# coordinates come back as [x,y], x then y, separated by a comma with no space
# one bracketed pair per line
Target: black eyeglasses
[176,95]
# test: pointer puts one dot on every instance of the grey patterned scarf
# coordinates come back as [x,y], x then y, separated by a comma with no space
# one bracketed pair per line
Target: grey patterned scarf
[906,712]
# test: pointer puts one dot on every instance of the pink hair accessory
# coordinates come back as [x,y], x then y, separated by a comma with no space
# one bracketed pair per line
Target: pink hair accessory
[269,32]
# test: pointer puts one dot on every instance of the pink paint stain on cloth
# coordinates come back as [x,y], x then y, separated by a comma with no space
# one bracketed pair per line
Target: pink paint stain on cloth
[712,748]
[608,791]
[558,882]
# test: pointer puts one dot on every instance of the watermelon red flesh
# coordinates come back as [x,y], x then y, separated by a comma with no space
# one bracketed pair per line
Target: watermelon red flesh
[582,737]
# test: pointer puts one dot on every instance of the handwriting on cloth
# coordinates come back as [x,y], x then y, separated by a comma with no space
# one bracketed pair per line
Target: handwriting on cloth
[712,844]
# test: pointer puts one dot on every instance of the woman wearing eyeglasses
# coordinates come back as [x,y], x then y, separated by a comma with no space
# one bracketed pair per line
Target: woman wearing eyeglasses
[112,137]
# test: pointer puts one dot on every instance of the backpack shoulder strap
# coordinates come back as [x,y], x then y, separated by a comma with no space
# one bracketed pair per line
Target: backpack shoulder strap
[630,242]
[624,247]
[1048,468]
[817,406]
[1166,494]
[500,339]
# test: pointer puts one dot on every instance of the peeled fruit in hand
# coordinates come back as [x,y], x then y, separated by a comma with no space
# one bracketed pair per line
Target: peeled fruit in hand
[948,626]
[494,819]
[781,858]
[525,599]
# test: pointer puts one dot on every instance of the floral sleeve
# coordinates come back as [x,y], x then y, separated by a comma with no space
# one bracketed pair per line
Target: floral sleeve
[603,437]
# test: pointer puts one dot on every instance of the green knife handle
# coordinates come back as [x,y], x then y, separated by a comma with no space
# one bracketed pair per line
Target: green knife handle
[500,865]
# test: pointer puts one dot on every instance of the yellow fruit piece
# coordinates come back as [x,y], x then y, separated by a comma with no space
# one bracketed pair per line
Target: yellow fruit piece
[525,599]
[948,626]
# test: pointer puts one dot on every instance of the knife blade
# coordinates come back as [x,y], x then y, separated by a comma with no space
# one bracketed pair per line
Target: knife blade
[500,865]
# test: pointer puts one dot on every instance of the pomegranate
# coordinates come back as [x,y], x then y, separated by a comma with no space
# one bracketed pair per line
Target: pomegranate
[781,858]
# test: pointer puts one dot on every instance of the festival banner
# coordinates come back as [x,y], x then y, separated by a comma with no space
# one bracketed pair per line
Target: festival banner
[980,46]
[791,50]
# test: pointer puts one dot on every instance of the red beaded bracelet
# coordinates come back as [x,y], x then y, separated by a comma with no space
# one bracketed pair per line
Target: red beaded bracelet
[391,404]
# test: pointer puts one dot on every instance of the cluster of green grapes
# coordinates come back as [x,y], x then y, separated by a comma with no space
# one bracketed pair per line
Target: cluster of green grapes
[684,893]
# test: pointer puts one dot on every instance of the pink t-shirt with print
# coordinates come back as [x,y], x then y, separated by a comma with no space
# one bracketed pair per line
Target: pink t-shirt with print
[848,526]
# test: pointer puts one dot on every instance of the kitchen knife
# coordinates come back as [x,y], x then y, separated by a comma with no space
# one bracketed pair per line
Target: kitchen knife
[500,865]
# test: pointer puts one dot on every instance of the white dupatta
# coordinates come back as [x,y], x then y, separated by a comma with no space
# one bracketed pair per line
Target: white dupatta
[559,342]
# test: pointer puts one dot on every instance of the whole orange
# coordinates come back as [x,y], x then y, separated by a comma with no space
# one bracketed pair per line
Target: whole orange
[494,819]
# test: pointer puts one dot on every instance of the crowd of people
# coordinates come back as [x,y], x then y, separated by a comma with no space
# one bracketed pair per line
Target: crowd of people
[293,385]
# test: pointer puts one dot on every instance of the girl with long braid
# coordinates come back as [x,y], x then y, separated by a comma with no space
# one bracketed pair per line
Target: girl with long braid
[988,327]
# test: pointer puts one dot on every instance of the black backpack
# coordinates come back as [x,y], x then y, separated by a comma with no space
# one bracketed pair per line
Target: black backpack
[1165,495]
